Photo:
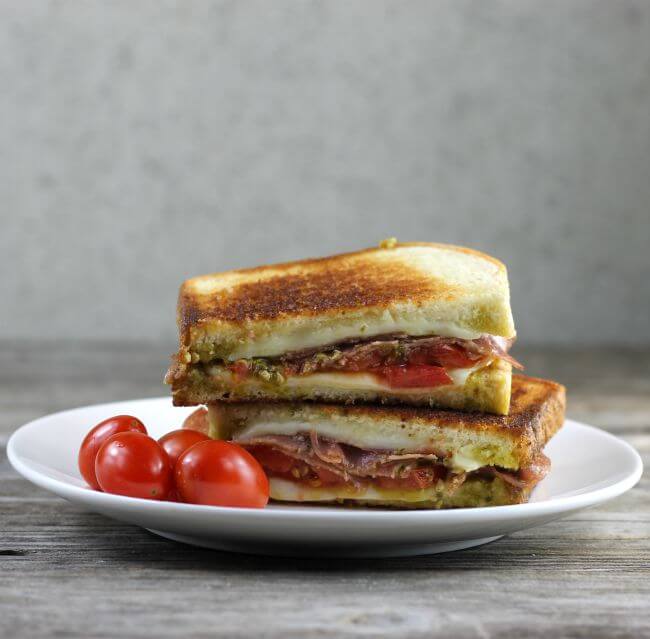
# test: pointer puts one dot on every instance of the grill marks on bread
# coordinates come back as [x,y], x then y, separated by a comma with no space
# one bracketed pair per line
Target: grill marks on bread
[312,287]
[414,289]
[510,441]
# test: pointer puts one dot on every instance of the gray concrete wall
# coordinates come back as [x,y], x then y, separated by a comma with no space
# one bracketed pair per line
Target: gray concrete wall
[143,142]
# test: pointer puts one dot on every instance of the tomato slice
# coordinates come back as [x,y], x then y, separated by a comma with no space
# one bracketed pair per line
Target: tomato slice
[279,464]
[328,478]
[415,376]
[446,355]
[239,369]
[271,459]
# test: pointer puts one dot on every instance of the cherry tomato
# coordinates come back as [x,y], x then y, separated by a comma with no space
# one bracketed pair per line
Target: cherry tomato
[97,436]
[198,420]
[219,473]
[135,465]
[419,376]
[178,441]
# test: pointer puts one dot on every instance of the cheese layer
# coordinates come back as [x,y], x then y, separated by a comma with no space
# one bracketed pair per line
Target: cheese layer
[284,490]
[349,381]
[387,438]
[472,493]
[275,344]
[367,381]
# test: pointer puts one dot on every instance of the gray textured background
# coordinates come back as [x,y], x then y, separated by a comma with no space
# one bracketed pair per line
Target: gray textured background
[143,142]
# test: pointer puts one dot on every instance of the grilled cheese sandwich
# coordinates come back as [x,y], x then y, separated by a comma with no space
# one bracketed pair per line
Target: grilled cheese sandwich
[423,324]
[398,456]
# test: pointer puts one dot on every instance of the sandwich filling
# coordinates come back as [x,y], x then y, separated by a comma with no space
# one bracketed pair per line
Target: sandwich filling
[311,460]
[395,361]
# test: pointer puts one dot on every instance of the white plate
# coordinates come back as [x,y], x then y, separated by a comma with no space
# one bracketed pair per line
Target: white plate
[589,466]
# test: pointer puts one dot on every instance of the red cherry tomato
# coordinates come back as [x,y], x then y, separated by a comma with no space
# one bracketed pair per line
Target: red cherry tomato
[135,465]
[198,420]
[178,441]
[219,473]
[417,376]
[97,436]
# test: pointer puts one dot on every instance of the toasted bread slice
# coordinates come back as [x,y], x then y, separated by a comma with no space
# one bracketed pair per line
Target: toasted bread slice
[413,288]
[407,290]
[486,389]
[471,446]
[474,492]
[465,440]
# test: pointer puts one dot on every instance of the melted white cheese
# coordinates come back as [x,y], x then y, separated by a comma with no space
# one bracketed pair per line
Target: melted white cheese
[308,337]
[463,460]
[342,381]
[367,381]
[353,381]
[283,490]
[348,381]
[361,437]
[411,438]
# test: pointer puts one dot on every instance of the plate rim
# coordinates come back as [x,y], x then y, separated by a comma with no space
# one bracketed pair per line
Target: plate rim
[566,503]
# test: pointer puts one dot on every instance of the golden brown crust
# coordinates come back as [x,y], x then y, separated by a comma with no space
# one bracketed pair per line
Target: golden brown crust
[536,414]
[530,397]
[314,287]
[473,493]
[537,408]
[485,390]
[332,289]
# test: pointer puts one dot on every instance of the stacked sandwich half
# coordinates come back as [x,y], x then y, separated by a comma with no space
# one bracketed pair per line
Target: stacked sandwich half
[380,377]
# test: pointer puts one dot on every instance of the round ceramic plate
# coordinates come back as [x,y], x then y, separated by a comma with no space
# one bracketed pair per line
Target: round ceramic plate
[589,466]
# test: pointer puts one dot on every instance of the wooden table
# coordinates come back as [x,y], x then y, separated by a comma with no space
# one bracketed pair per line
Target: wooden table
[68,573]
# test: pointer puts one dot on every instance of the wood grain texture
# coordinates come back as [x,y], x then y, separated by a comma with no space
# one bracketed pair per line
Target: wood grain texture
[68,573]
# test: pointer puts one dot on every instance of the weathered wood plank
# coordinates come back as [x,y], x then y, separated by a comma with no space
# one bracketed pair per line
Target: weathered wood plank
[556,569]
[65,572]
